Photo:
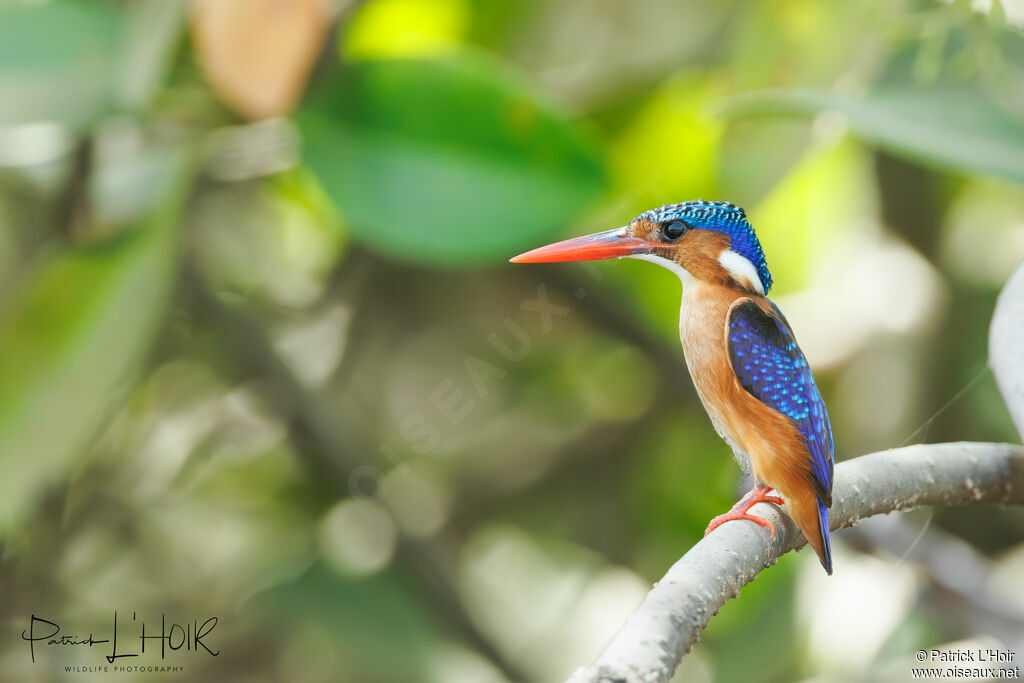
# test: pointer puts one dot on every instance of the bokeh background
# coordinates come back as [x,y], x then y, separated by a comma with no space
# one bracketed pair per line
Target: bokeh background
[262,355]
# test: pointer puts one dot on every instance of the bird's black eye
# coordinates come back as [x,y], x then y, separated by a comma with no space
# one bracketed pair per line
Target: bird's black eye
[673,230]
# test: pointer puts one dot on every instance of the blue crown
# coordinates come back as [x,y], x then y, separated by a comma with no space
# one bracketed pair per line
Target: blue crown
[723,217]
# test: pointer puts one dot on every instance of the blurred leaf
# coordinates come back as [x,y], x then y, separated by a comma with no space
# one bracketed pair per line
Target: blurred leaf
[70,335]
[823,197]
[947,127]
[603,53]
[152,34]
[446,161]
[668,152]
[257,54]
[676,135]
[405,28]
[380,626]
[276,240]
[743,177]
[983,236]
[795,41]
[57,61]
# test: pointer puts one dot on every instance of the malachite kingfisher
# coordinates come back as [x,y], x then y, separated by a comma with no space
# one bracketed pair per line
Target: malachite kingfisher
[741,352]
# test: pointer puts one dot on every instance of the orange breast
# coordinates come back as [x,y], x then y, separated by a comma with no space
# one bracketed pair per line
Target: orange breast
[770,439]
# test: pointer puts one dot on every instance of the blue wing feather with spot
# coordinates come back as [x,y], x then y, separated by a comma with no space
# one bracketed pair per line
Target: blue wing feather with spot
[772,368]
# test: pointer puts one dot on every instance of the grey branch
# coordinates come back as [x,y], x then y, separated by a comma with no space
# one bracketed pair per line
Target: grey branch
[671,617]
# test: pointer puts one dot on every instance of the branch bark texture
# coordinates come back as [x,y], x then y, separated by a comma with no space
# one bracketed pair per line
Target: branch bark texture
[669,621]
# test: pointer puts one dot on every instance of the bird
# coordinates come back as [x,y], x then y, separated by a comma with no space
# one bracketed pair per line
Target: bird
[742,355]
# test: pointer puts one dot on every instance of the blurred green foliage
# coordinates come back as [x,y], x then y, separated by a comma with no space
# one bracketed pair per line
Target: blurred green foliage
[72,309]
[278,370]
[445,182]
[58,61]
[954,127]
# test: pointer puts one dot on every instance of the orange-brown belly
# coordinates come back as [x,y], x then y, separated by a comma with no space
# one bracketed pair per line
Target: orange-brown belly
[769,439]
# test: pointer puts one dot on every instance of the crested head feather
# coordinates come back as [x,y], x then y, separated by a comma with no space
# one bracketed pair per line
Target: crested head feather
[722,217]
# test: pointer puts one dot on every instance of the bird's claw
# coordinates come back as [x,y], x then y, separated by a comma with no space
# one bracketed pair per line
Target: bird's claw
[742,510]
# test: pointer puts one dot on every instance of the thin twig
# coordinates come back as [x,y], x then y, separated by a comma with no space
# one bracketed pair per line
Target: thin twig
[72,206]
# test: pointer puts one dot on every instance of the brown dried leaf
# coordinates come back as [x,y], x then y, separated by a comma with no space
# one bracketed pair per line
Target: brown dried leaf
[257,54]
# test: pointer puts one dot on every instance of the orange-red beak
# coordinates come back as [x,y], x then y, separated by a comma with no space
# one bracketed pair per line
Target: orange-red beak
[600,245]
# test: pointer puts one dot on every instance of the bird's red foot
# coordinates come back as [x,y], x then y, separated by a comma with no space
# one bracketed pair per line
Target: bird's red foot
[740,510]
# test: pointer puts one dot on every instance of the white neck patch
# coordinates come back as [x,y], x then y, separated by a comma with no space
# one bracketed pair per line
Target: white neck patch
[741,270]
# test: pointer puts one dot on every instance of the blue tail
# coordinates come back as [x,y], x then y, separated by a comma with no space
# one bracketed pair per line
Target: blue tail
[826,558]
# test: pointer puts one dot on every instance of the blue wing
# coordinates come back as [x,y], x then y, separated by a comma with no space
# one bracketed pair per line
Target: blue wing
[772,368]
